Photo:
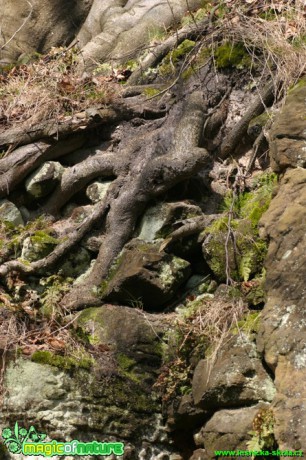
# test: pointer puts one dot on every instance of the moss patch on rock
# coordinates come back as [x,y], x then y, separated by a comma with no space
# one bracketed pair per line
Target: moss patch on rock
[249,324]
[126,366]
[66,363]
[232,246]
[232,55]
[168,64]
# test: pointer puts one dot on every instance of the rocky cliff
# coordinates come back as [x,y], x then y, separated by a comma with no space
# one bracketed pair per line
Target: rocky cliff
[153,227]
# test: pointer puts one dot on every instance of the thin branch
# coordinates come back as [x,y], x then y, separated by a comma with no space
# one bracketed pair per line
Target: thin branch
[21,27]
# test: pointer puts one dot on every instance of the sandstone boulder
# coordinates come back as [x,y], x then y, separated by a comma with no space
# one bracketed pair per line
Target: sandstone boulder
[236,378]
[97,190]
[282,336]
[288,133]
[228,430]
[44,180]
[111,400]
[158,221]
[142,275]
[10,213]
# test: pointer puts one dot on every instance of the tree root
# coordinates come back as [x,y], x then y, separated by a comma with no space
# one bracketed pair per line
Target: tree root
[189,227]
[22,161]
[149,176]
[264,99]
[43,265]
[62,139]
[78,176]
[160,51]
[145,166]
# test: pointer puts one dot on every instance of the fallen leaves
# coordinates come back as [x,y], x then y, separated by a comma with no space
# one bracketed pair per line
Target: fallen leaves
[51,88]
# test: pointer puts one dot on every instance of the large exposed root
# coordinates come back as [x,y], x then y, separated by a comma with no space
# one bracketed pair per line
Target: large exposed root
[149,176]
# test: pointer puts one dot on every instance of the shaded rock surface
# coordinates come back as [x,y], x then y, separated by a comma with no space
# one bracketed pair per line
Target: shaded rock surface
[44,179]
[235,378]
[228,430]
[143,273]
[281,336]
[288,133]
[113,399]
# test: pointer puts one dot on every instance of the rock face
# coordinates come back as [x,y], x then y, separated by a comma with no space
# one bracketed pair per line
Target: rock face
[288,133]
[236,378]
[97,190]
[158,221]
[38,25]
[282,337]
[144,274]
[113,400]
[227,430]
[109,394]
[10,213]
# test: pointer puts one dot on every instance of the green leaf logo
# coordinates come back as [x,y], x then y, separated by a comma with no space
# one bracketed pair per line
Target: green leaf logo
[14,439]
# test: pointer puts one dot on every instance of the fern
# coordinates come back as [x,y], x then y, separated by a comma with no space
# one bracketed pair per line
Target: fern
[246,264]
[255,444]
[263,434]
[55,288]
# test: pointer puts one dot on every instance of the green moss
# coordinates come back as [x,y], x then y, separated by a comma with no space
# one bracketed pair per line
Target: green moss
[43,238]
[115,266]
[102,290]
[299,42]
[261,120]
[157,34]
[126,365]
[130,395]
[150,92]
[300,84]
[249,324]
[62,362]
[146,247]
[24,261]
[91,314]
[13,236]
[132,65]
[103,287]
[201,58]
[125,362]
[90,325]
[231,55]
[167,66]
[103,69]
[242,249]
[189,72]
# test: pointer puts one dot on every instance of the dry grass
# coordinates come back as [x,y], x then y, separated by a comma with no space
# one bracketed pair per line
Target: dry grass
[274,34]
[49,88]
[212,319]
[201,329]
